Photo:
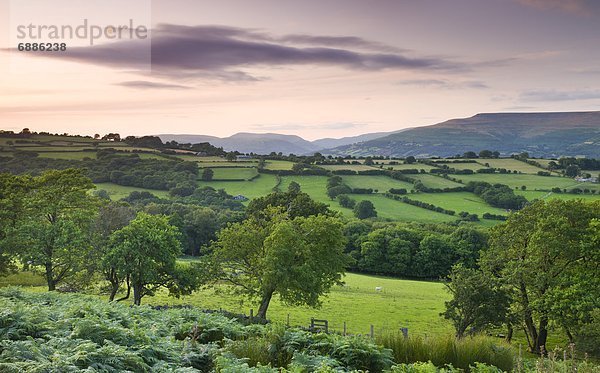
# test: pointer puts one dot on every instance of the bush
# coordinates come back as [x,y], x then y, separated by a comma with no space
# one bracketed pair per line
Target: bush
[398,191]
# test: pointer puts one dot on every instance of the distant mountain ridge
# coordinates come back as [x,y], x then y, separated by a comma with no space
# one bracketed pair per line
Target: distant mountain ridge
[540,134]
[265,143]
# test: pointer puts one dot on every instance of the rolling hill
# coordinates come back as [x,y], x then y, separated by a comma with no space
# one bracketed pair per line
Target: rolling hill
[540,134]
[265,143]
[260,143]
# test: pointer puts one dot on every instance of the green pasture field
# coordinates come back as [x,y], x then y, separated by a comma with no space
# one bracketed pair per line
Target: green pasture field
[222,161]
[531,195]
[381,183]
[238,165]
[353,167]
[278,165]
[68,155]
[510,164]
[432,181]
[117,192]
[458,201]
[401,303]
[258,187]
[544,162]
[388,208]
[245,173]
[418,166]
[46,148]
[464,166]
[315,186]
[532,182]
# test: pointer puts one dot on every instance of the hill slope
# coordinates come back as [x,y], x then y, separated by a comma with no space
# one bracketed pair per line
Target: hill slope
[260,143]
[540,134]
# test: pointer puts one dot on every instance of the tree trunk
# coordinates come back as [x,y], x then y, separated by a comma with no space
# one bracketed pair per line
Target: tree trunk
[137,294]
[570,335]
[113,292]
[540,345]
[509,333]
[264,304]
[128,291]
[530,330]
[50,277]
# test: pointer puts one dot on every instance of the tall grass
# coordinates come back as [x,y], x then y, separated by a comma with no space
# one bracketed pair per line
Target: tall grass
[447,350]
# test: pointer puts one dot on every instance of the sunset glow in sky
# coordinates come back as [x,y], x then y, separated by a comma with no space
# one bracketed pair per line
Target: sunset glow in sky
[328,68]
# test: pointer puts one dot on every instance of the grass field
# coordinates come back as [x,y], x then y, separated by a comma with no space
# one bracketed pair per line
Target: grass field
[464,166]
[458,201]
[401,303]
[117,192]
[278,165]
[245,173]
[399,211]
[418,166]
[381,183]
[432,181]
[258,187]
[531,195]
[510,164]
[532,182]
[353,167]
[68,155]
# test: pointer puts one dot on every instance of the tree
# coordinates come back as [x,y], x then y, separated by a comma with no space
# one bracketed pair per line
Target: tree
[572,170]
[207,174]
[54,231]
[469,155]
[477,301]
[410,159]
[547,256]
[294,187]
[111,217]
[145,252]
[486,154]
[345,201]
[299,259]
[364,210]
[296,204]
[337,190]
[369,161]
[435,257]
[231,156]
[13,190]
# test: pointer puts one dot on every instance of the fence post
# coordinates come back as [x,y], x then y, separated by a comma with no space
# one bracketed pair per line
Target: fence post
[288,320]
[251,314]
[344,328]
[372,331]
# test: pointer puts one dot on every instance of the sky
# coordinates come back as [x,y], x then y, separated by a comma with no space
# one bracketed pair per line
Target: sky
[327,68]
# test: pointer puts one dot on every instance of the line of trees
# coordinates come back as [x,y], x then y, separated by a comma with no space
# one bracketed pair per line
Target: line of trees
[540,274]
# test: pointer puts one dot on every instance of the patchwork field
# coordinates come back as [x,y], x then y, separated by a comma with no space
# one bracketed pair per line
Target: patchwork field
[510,164]
[117,192]
[532,182]
[432,181]
[258,187]
[245,173]
[380,183]
[458,201]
